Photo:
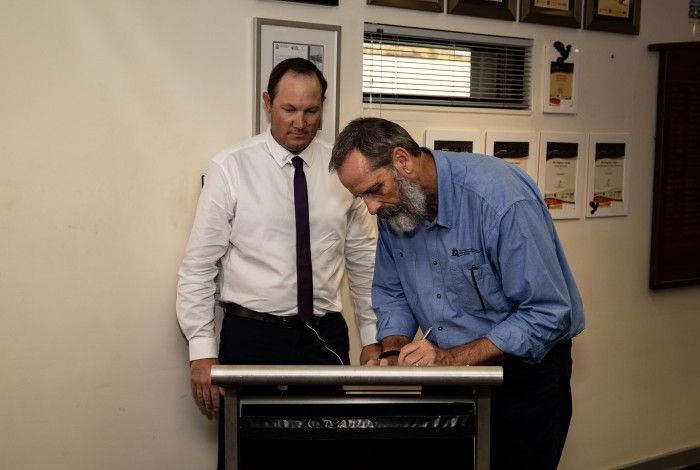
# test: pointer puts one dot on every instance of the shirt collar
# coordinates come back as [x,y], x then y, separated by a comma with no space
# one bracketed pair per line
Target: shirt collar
[283,156]
[445,188]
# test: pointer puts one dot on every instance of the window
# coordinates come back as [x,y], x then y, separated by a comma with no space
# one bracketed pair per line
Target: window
[430,67]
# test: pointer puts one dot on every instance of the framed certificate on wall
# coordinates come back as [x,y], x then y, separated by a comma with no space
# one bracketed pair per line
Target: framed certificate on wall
[516,148]
[565,13]
[455,140]
[561,77]
[562,173]
[607,192]
[276,40]
[614,16]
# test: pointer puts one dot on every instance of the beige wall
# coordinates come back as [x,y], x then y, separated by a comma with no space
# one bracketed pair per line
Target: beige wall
[109,110]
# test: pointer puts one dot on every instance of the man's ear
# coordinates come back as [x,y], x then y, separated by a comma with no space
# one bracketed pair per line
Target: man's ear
[402,160]
[267,101]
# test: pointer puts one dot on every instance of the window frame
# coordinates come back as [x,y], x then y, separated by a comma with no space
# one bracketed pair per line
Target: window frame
[516,98]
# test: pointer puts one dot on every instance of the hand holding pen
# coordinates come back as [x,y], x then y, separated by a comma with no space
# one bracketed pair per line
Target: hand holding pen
[425,335]
[418,353]
[383,358]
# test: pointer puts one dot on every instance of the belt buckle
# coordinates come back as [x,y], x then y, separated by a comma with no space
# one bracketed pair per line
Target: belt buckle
[290,321]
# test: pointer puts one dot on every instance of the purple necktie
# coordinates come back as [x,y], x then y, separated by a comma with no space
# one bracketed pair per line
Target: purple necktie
[305,283]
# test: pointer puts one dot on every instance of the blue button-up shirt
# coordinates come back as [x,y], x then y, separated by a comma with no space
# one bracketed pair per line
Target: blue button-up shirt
[490,265]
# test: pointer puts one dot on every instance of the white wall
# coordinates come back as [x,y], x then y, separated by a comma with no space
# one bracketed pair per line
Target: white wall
[109,110]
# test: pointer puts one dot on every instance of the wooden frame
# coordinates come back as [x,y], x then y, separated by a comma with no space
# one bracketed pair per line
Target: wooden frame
[278,39]
[613,16]
[675,258]
[516,148]
[566,13]
[562,173]
[424,5]
[455,140]
[498,9]
[607,192]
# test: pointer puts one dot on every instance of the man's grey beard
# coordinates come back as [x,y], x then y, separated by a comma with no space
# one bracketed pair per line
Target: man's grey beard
[407,215]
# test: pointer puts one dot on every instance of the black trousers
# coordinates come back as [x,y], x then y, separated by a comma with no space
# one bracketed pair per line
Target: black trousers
[531,412]
[253,342]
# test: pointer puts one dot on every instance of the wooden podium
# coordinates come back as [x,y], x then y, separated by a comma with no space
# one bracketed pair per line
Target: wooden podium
[326,404]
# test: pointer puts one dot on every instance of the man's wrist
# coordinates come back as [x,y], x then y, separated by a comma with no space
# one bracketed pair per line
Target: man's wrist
[389,353]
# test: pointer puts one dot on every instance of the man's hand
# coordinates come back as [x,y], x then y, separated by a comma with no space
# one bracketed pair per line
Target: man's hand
[205,393]
[424,353]
[369,354]
[421,353]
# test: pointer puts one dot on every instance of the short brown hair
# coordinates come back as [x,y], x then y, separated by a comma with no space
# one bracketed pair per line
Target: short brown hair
[297,65]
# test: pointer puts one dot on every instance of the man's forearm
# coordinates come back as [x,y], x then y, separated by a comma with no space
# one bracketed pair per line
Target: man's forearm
[478,352]
[396,342]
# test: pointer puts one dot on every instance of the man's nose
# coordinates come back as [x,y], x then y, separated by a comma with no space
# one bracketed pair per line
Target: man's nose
[299,121]
[372,205]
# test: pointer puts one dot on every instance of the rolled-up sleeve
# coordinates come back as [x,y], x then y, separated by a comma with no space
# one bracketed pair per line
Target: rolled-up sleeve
[523,244]
[394,316]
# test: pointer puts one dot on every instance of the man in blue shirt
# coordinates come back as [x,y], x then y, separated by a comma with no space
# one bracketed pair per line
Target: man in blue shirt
[467,249]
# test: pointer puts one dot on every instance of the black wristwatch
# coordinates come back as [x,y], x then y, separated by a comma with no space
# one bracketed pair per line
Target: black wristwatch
[389,353]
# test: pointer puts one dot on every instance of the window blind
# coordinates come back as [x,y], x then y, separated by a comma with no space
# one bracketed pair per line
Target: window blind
[404,65]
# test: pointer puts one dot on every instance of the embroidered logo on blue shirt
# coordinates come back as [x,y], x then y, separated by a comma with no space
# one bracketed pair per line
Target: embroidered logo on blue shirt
[467,251]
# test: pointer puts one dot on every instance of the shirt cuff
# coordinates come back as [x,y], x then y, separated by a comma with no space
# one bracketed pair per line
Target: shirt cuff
[203,348]
[515,343]
[368,334]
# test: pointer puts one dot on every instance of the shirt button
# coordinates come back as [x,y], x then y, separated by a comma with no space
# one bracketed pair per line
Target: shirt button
[439,296]
[439,328]
[401,254]
[434,261]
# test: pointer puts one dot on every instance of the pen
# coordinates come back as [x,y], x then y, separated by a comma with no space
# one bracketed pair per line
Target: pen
[427,333]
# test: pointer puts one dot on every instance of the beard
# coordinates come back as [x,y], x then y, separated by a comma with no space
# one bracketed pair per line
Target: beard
[406,215]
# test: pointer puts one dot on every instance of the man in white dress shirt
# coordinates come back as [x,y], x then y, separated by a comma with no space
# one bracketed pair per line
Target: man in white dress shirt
[243,239]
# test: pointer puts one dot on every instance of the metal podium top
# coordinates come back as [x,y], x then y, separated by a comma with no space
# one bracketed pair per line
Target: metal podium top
[229,375]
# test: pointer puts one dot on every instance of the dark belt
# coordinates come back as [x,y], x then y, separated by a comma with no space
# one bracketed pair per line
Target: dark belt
[289,321]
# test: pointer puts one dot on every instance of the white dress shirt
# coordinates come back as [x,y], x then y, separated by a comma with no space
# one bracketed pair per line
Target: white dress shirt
[244,239]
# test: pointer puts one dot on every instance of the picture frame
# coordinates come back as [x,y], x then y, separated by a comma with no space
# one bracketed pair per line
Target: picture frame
[565,13]
[607,191]
[471,141]
[561,173]
[613,16]
[276,40]
[496,9]
[518,148]
[561,77]
[423,5]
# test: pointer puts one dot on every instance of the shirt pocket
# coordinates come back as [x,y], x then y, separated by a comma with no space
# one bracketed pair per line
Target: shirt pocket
[406,268]
[476,290]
